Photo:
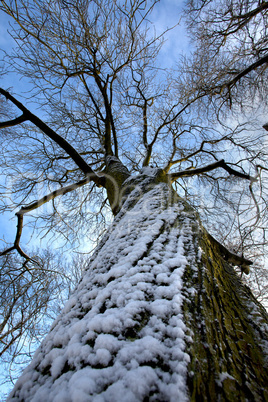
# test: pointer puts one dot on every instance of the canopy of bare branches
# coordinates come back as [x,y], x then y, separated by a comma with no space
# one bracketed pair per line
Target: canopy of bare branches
[99,108]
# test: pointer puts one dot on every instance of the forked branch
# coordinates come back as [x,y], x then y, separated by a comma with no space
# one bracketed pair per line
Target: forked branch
[16,245]
[35,205]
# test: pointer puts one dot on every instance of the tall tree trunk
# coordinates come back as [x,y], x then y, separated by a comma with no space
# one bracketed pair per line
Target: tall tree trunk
[159,315]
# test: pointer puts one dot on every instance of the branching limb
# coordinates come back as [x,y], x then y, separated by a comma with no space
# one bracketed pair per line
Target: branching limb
[173,162]
[258,212]
[219,164]
[81,163]
[14,122]
[172,116]
[232,258]
[16,245]
[236,21]
[253,66]
[149,147]
[35,205]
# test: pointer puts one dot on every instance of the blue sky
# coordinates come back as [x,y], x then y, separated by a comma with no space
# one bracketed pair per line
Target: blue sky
[166,14]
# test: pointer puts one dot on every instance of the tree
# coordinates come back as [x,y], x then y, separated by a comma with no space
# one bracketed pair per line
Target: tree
[25,292]
[32,294]
[160,292]
[235,36]
[234,70]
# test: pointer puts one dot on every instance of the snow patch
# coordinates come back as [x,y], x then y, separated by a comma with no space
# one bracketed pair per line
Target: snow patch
[223,376]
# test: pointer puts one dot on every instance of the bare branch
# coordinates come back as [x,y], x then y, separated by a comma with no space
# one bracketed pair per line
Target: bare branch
[35,205]
[14,122]
[232,258]
[81,163]
[253,66]
[16,245]
[52,195]
[208,168]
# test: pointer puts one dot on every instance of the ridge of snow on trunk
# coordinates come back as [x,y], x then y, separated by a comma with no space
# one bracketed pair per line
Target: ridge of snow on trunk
[121,337]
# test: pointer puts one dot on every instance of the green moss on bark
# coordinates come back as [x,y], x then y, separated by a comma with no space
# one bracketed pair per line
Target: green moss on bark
[227,354]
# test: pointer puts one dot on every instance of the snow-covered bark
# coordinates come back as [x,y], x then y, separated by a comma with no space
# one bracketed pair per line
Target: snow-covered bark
[158,316]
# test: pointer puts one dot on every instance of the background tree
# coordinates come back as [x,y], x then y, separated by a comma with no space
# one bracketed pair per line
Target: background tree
[34,287]
[235,34]
[110,112]
[26,292]
[234,72]
[32,294]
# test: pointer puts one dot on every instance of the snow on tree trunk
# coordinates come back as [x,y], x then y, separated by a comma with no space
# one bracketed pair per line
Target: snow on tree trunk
[158,316]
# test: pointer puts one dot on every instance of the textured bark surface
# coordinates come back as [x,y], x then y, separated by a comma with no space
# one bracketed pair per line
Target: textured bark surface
[228,328]
[159,316]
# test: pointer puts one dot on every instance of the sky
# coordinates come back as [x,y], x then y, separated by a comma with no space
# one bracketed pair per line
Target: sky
[8,221]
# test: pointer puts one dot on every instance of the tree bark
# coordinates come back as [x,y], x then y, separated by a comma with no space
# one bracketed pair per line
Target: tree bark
[159,315]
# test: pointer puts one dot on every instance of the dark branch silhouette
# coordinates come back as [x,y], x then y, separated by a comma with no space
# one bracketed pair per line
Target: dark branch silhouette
[220,164]
[68,148]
